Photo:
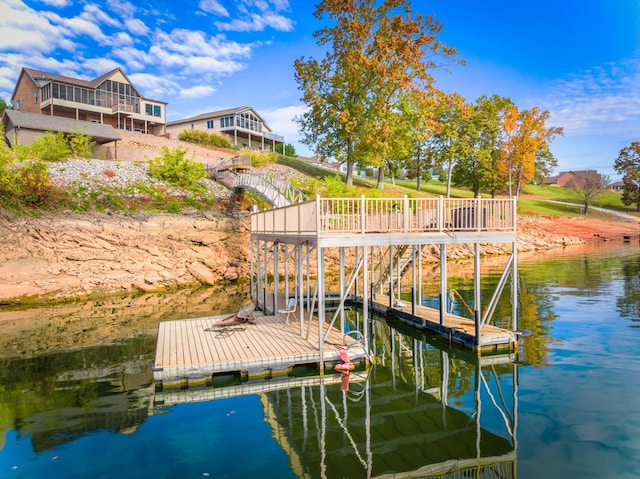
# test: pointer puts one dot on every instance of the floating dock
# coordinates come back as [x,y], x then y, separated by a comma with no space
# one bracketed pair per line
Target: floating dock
[192,351]
[456,329]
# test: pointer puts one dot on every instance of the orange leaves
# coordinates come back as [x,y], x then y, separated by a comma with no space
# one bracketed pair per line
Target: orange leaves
[526,141]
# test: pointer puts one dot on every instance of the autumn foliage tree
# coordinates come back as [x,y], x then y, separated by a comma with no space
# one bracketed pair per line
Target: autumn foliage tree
[378,53]
[525,148]
[628,165]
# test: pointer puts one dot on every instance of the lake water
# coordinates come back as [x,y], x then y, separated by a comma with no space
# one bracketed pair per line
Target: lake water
[77,397]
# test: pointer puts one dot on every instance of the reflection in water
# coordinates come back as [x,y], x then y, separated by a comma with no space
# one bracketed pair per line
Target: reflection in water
[77,396]
[420,409]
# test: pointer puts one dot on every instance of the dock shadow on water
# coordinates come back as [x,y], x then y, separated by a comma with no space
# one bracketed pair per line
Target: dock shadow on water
[420,408]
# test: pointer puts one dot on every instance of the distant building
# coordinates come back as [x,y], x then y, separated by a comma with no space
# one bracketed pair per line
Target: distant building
[334,165]
[243,126]
[110,99]
[617,186]
[568,178]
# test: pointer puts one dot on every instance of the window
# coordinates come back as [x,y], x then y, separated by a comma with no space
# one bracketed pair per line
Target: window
[148,109]
[35,96]
[226,121]
[157,111]
[209,123]
[18,105]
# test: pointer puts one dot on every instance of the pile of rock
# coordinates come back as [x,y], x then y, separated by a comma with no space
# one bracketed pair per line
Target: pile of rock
[94,174]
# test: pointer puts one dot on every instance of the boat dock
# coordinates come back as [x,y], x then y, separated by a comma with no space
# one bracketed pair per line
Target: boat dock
[456,329]
[193,351]
[379,244]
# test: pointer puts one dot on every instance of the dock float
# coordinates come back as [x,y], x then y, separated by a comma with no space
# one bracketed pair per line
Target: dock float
[456,329]
[192,351]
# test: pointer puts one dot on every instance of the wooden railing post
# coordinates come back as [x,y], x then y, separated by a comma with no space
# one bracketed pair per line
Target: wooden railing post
[318,222]
[440,222]
[406,214]
[362,214]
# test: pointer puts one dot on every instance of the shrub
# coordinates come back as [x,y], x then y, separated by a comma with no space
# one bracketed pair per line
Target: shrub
[203,138]
[173,168]
[35,185]
[334,187]
[50,147]
[80,144]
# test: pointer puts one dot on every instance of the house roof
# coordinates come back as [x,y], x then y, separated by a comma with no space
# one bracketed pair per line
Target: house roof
[41,78]
[217,114]
[100,132]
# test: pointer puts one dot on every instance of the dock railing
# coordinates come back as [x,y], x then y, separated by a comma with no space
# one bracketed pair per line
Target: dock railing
[388,215]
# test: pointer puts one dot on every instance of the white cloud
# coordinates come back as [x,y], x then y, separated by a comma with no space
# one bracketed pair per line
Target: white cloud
[24,30]
[99,66]
[95,12]
[57,3]
[213,6]
[136,26]
[198,91]
[195,52]
[150,87]
[281,122]
[603,100]
[257,22]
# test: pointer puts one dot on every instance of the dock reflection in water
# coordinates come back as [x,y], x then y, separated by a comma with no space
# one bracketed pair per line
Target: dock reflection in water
[420,410]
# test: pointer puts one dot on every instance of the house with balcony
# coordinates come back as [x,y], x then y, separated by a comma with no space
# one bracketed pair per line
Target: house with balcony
[243,126]
[110,99]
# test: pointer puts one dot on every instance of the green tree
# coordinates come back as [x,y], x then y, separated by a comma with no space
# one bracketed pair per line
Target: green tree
[478,166]
[4,106]
[289,149]
[628,165]
[452,114]
[378,52]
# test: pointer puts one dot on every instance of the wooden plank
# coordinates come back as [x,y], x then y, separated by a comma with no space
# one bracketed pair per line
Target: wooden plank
[267,344]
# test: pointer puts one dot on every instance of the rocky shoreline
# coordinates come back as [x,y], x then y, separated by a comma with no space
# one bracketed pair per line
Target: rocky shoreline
[70,256]
[65,257]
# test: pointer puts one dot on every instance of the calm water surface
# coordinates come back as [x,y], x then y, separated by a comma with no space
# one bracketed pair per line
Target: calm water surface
[77,397]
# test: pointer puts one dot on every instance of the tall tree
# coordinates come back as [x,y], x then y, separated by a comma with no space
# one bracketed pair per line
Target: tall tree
[588,185]
[477,168]
[525,149]
[628,164]
[378,50]
[452,115]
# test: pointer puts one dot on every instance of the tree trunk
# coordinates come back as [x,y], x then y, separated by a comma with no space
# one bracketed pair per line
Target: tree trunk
[381,178]
[449,170]
[349,179]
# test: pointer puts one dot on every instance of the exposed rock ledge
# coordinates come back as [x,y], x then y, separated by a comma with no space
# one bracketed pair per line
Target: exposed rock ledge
[71,256]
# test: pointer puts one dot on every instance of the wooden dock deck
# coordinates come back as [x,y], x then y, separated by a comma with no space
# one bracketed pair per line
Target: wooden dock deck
[191,351]
[457,329]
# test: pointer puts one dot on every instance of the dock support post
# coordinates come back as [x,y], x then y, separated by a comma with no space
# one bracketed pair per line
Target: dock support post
[514,287]
[342,289]
[443,282]
[276,276]
[413,280]
[320,289]
[476,292]
[365,299]
[252,284]
[300,297]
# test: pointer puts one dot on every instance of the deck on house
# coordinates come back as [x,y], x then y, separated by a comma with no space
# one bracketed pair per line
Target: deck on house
[191,351]
[456,329]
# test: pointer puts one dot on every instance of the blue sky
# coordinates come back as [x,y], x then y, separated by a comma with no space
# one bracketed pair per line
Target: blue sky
[577,58]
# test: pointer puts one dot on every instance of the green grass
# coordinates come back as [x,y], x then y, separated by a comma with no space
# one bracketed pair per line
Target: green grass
[534,200]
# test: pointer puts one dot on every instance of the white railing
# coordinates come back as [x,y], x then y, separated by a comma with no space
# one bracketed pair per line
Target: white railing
[389,215]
